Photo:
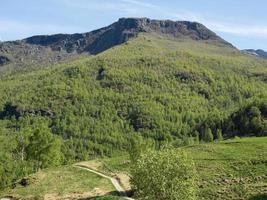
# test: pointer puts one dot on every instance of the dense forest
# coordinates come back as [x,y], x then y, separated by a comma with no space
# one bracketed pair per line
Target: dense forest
[161,90]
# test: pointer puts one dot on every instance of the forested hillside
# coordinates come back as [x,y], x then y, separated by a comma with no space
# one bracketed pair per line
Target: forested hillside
[160,89]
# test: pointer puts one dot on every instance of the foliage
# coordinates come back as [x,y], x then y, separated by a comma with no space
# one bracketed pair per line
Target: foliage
[30,147]
[251,119]
[6,161]
[44,149]
[165,175]
[138,147]
[219,136]
[207,135]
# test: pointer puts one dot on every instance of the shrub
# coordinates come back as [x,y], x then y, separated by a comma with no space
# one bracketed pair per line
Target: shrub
[168,174]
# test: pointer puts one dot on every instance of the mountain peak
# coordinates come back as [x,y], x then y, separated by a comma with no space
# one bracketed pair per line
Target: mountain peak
[62,46]
[193,30]
[121,31]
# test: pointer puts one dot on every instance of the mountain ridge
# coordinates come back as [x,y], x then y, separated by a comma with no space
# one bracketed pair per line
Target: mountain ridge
[53,48]
[124,29]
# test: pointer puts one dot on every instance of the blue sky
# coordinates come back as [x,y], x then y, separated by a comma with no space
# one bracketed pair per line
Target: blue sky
[241,22]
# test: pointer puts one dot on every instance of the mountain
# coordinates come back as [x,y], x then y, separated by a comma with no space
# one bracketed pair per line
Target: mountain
[44,49]
[259,53]
[138,81]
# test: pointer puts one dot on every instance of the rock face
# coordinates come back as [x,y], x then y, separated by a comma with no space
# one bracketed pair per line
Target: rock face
[259,53]
[121,31]
[57,47]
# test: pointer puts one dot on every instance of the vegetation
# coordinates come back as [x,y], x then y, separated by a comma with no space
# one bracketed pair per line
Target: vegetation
[161,90]
[62,182]
[231,169]
[165,175]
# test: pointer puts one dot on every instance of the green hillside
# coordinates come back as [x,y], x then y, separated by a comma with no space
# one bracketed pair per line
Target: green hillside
[158,88]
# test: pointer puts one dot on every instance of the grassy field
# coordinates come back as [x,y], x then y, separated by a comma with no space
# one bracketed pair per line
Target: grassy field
[63,183]
[232,169]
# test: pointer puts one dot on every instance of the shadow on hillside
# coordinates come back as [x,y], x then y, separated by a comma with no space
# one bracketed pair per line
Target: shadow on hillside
[114,195]
[259,197]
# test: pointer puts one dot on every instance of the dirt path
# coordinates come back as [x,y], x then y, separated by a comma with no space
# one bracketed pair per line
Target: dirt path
[114,181]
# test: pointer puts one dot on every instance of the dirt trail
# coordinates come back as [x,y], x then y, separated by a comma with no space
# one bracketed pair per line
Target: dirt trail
[114,181]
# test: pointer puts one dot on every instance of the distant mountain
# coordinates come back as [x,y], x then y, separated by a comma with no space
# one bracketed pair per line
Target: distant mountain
[259,53]
[52,48]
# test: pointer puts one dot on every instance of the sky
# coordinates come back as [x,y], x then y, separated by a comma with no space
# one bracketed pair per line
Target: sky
[241,22]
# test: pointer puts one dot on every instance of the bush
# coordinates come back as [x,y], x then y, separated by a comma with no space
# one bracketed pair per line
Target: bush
[164,175]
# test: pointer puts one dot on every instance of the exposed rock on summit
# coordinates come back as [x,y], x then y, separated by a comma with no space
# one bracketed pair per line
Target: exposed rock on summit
[52,48]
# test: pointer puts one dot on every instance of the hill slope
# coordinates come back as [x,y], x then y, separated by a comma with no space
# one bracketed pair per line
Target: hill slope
[153,87]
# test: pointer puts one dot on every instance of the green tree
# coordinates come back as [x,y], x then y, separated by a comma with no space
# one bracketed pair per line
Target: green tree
[168,174]
[207,135]
[219,135]
[138,147]
[44,149]
[7,165]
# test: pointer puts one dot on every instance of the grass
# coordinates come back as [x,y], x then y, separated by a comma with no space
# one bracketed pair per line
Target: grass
[232,169]
[62,182]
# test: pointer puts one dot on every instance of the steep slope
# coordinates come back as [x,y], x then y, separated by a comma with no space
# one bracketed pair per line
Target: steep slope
[46,49]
